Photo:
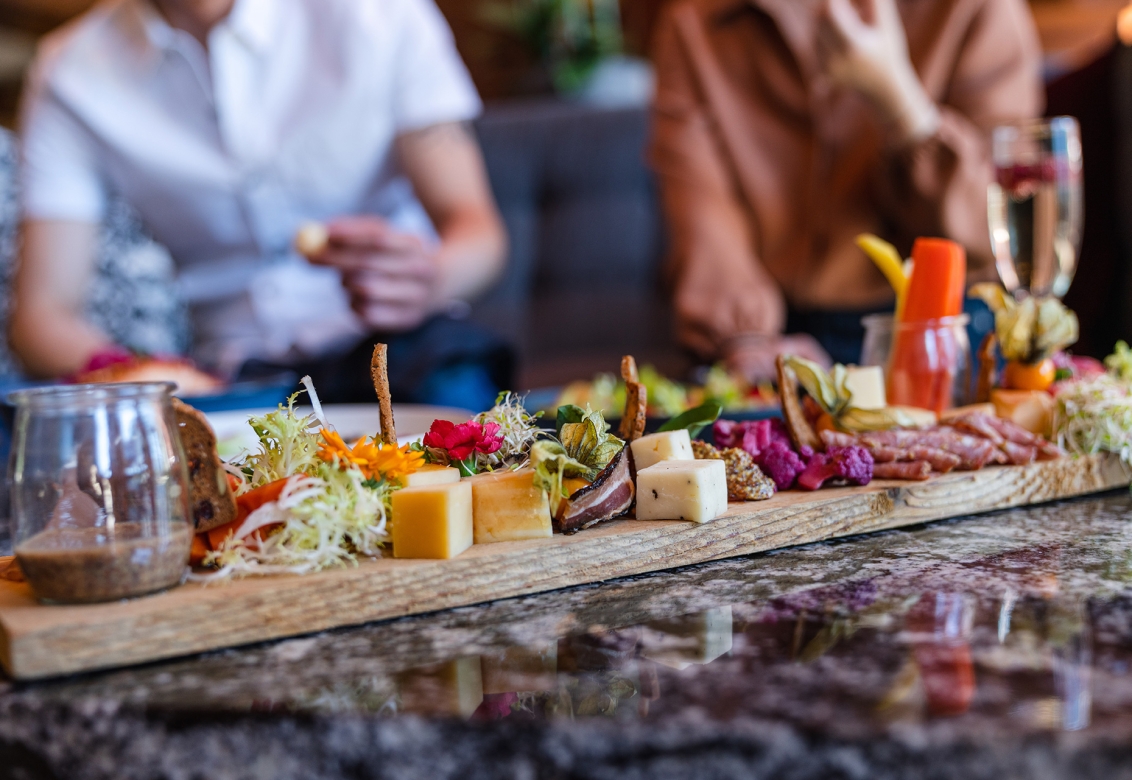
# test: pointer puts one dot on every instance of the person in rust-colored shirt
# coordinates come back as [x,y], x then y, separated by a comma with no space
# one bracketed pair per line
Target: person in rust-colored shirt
[785,128]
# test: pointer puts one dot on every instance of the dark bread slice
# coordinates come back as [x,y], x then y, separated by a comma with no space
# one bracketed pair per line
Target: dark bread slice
[211,502]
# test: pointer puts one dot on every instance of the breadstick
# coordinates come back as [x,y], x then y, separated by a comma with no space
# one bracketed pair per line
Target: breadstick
[636,409]
[379,371]
[629,369]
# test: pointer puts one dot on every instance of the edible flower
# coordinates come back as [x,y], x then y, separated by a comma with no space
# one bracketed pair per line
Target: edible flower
[376,460]
[459,444]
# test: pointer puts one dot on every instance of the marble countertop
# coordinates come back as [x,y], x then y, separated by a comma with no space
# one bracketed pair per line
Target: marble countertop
[990,647]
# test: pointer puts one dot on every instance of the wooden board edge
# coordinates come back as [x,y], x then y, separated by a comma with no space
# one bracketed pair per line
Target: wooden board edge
[875,509]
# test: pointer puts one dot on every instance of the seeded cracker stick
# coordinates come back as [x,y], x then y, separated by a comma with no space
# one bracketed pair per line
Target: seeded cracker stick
[800,431]
[379,371]
[629,369]
[636,402]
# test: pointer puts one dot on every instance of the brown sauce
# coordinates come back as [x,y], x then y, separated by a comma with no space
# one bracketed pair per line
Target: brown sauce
[83,565]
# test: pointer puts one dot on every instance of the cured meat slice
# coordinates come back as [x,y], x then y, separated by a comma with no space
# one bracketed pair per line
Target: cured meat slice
[941,460]
[980,425]
[1019,454]
[916,471]
[611,495]
[838,439]
[1047,450]
[882,454]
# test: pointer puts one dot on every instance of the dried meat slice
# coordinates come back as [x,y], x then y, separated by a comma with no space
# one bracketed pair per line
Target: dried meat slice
[1020,454]
[941,460]
[980,425]
[916,471]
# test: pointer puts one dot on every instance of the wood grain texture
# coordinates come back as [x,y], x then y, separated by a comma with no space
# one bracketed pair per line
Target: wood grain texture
[41,641]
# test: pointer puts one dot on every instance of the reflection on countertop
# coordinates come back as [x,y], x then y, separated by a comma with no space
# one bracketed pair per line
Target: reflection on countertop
[985,647]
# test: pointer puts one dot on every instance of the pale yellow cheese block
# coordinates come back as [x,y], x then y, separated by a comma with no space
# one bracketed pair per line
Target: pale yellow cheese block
[656,447]
[1029,409]
[433,521]
[866,387]
[432,475]
[507,507]
[693,490]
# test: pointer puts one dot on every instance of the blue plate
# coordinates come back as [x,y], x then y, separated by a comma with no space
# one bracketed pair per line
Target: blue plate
[266,393]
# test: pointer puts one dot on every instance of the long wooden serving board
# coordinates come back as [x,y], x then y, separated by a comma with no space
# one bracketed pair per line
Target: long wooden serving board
[39,641]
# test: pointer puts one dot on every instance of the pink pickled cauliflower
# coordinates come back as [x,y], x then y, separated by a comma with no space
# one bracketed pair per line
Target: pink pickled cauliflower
[852,464]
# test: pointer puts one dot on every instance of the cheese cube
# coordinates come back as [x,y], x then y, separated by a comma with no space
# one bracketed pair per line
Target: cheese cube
[432,475]
[654,448]
[507,507]
[693,490]
[866,386]
[451,688]
[434,521]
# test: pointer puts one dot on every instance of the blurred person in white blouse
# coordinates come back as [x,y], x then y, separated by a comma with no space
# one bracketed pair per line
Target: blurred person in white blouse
[228,124]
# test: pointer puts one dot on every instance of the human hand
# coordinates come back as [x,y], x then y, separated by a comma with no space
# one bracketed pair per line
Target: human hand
[392,278]
[754,357]
[862,45]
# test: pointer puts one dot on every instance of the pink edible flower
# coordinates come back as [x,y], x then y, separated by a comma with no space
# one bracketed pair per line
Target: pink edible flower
[463,440]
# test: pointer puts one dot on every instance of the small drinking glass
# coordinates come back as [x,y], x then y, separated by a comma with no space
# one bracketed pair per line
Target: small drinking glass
[99,491]
[927,364]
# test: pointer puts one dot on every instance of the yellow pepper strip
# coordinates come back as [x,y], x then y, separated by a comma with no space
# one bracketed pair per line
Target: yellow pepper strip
[889,262]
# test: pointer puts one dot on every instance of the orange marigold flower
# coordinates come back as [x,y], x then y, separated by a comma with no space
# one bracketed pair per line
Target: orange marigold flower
[374,459]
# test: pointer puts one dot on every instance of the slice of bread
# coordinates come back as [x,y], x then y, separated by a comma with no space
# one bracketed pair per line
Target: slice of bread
[211,502]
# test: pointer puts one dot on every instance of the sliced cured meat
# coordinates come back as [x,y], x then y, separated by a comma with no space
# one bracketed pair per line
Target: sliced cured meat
[1047,450]
[1014,433]
[882,454]
[941,460]
[838,439]
[1019,454]
[916,471]
[611,495]
[1000,458]
[980,425]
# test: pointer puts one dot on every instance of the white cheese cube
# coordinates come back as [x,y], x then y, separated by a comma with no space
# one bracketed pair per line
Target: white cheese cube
[866,386]
[654,448]
[693,490]
[433,475]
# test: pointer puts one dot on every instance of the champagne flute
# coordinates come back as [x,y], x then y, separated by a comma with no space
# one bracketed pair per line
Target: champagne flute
[1036,205]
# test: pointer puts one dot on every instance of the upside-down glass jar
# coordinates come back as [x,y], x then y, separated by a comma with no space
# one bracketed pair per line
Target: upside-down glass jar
[927,364]
[99,491]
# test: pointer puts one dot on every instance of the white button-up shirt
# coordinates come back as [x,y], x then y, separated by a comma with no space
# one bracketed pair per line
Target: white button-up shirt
[289,115]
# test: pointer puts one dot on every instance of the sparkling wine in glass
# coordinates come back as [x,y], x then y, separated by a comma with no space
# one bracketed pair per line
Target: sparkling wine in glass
[1036,206]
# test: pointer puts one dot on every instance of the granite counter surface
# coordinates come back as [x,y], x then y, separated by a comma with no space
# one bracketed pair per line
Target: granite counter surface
[991,647]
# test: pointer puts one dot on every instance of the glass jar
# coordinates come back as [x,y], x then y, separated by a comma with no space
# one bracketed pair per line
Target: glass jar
[927,364]
[99,491]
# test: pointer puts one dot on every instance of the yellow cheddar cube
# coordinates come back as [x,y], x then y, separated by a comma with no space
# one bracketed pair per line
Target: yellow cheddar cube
[434,521]
[507,507]
[432,475]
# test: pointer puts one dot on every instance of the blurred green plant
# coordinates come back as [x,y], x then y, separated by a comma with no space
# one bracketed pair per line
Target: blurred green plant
[569,37]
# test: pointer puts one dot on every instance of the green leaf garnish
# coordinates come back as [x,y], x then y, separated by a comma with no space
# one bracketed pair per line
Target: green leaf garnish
[694,420]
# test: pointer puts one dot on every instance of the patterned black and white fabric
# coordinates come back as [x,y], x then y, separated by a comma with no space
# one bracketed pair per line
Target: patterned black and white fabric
[132,297]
